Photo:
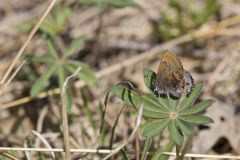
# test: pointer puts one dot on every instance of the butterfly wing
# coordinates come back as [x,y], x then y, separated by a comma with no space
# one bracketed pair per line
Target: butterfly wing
[170,74]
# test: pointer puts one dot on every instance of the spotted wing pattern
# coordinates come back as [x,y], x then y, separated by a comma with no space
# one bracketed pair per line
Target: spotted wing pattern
[171,76]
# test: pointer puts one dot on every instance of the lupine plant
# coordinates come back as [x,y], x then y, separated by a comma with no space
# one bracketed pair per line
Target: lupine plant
[61,65]
[161,113]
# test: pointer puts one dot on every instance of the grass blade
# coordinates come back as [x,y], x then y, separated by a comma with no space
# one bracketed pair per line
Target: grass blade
[147,145]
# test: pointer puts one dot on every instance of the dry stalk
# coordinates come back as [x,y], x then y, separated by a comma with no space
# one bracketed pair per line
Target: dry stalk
[65,117]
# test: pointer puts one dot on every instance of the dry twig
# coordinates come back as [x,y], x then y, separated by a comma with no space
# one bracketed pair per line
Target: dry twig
[64,115]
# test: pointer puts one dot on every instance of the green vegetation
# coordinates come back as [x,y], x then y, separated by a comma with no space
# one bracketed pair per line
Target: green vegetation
[161,113]
[184,17]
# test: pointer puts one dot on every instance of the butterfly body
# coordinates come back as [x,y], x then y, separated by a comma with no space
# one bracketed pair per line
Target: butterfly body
[171,77]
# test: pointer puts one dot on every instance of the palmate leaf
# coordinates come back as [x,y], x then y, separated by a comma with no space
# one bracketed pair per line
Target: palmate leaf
[85,74]
[61,75]
[55,22]
[52,49]
[61,15]
[184,126]
[191,98]
[154,127]
[151,109]
[175,134]
[121,3]
[48,26]
[39,84]
[46,58]
[149,77]
[196,119]
[75,44]
[198,107]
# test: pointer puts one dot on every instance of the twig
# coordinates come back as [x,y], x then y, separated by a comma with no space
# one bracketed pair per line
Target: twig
[64,115]
[33,31]
[202,33]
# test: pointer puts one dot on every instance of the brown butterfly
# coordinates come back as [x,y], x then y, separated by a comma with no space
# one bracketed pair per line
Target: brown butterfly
[171,77]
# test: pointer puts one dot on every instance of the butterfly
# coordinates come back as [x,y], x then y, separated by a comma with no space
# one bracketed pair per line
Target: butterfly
[171,77]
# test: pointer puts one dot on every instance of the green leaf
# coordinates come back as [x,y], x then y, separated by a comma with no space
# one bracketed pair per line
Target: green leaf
[88,2]
[149,77]
[46,58]
[114,128]
[175,134]
[151,108]
[25,27]
[85,74]
[61,76]
[198,107]
[160,102]
[124,155]
[102,112]
[55,22]
[184,126]
[77,63]
[191,98]
[52,49]
[147,145]
[157,155]
[112,3]
[121,3]
[39,84]
[48,26]
[74,46]
[154,127]
[196,119]
[61,15]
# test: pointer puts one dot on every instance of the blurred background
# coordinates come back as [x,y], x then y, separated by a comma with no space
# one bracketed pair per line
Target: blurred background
[113,41]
